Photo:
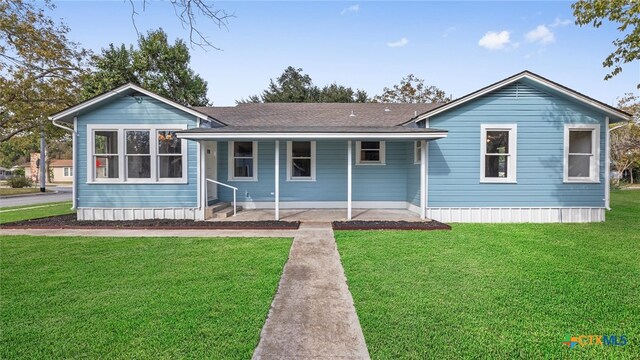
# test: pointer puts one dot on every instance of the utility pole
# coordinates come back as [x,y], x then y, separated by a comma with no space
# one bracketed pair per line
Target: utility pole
[43,168]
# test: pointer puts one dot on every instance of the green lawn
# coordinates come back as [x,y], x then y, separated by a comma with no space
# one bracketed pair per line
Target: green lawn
[72,297]
[501,290]
[24,212]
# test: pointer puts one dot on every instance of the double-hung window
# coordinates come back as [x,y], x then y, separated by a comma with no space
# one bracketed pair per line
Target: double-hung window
[68,171]
[581,152]
[370,153]
[138,154]
[498,153]
[134,154]
[169,155]
[301,160]
[417,151]
[106,158]
[243,160]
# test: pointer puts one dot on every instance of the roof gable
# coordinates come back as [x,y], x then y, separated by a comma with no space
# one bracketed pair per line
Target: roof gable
[537,81]
[124,90]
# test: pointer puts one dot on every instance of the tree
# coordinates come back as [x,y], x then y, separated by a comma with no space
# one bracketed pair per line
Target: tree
[156,66]
[412,90]
[293,86]
[625,13]
[188,12]
[625,139]
[40,67]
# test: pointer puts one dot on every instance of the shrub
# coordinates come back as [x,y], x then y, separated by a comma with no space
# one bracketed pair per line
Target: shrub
[18,172]
[19,182]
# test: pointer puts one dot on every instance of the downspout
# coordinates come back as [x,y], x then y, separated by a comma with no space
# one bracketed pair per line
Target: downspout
[74,151]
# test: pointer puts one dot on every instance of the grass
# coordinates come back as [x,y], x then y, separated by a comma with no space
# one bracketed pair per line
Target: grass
[72,297]
[25,212]
[18,191]
[499,290]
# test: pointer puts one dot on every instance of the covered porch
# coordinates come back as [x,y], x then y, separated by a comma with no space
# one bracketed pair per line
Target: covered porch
[314,173]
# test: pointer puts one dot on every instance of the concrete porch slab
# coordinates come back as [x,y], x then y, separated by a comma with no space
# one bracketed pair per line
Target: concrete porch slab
[325,215]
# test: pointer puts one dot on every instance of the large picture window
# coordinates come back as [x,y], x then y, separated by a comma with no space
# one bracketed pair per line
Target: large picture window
[136,154]
[581,153]
[243,160]
[370,153]
[301,160]
[498,153]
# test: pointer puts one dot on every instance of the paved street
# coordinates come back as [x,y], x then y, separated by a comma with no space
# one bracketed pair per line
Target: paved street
[62,193]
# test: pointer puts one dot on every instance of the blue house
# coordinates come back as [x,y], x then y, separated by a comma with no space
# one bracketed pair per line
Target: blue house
[524,149]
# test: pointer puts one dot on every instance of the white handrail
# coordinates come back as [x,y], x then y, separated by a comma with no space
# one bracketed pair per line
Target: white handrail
[223,184]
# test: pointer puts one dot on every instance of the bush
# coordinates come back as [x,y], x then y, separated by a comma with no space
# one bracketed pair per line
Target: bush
[19,182]
[18,172]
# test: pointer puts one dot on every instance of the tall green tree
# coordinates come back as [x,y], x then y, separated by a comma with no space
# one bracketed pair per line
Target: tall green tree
[412,89]
[155,65]
[293,86]
[41,69]
[625,139]
[624,13]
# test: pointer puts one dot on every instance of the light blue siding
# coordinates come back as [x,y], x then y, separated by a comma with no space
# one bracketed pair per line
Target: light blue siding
[454,162]
[127,110]
[370,182]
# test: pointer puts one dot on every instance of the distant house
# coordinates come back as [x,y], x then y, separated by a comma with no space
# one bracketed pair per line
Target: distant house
[5,173]
[61,169]
[524,149]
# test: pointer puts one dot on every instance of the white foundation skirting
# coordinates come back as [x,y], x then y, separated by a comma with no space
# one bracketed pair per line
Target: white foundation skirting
[137,214]
[516,215]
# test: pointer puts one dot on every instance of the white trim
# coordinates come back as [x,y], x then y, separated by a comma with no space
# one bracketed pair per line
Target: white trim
[153,150]
[94,213]
[594,168]
[349,178]
[512,156]
[607,165]
[74,110]
[423,179]
[416,152]
[277,179]
[382,151]
[511,80]
[269,205]
[74,154]
[203,200]
[231,162]
[290,163]
[516,215]
[312,136]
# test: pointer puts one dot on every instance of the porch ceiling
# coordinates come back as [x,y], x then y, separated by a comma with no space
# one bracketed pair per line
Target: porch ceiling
[312,132]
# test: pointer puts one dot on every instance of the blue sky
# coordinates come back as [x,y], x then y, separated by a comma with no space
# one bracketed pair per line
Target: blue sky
[457,46]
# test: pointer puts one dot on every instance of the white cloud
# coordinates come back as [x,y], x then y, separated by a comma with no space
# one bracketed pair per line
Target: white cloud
[540,34]
[351,9]
[557,22]
[400,43]
[493,40]
[449,31]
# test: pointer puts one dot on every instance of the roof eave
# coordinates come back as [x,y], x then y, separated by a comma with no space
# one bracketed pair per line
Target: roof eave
[311,136]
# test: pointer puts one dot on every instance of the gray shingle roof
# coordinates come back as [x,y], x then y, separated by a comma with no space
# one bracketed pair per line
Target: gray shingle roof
[317,114]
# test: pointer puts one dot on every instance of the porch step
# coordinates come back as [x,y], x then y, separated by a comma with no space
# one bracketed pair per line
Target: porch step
[220,210]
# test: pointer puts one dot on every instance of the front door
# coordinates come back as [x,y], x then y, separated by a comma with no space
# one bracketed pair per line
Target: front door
[211,161]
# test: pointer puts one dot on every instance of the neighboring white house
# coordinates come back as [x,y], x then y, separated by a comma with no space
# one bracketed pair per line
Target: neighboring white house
[61,170]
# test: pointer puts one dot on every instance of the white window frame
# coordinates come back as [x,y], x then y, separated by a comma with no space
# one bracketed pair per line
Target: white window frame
[290,162]
[594,168]
[152,168]
[231,162]
[383,152]
[417,152]
[512,158]
[153,139]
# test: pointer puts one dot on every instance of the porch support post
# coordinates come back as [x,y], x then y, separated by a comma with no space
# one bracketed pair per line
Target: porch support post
[607,166]
[423,179]
[349,179]
[277,180]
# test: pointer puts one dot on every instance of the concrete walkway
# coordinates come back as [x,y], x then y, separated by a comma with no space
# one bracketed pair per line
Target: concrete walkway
[312,315]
